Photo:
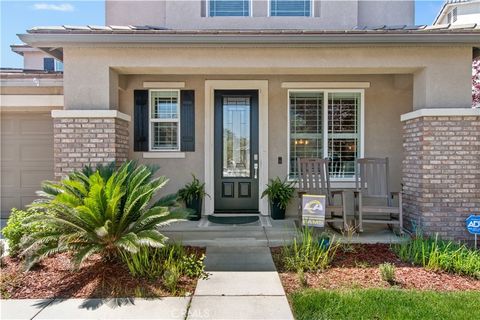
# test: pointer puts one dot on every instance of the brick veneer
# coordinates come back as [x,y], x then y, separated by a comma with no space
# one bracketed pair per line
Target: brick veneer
[441,173]
[88,141]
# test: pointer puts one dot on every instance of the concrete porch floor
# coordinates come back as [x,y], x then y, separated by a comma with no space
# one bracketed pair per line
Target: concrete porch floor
[265,232]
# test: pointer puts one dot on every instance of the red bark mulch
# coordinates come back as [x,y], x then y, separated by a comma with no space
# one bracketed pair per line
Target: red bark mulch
[358,268]
[54,278]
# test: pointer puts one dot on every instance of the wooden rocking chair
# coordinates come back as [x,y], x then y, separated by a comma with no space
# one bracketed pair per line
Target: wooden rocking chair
[371,181]
[314,178]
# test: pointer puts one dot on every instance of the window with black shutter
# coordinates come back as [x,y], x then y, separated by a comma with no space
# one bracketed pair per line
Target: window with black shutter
[164,120]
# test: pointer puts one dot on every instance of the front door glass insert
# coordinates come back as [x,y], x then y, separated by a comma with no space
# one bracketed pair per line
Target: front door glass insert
[236,136]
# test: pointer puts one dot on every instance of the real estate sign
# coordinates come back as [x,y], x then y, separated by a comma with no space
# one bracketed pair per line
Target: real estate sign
[313,210]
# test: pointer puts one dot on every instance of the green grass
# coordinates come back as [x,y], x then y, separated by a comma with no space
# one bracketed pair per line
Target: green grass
[384,304]
[435,254]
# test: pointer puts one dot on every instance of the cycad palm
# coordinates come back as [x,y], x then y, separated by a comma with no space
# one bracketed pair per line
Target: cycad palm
[89,213]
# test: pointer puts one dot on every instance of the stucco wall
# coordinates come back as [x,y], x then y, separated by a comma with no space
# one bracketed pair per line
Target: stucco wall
[442,75]
[388,97]
[190,14]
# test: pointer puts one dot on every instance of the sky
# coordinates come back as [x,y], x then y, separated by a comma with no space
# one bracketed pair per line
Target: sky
[16,16]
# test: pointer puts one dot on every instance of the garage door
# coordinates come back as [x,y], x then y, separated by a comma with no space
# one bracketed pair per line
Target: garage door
[27,157]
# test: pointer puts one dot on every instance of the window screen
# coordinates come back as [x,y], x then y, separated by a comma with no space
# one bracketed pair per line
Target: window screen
[290,8]
[164,120]
[343,133]
[229,8]
[306,127]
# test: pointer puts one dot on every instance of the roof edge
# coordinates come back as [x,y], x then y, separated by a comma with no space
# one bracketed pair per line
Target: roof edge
[56,40]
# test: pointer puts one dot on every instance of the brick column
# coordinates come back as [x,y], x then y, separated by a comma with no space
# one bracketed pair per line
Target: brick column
[88,137]
[441,170]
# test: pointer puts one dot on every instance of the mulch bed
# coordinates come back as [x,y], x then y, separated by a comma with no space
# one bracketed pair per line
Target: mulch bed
[54,278]
[358,268]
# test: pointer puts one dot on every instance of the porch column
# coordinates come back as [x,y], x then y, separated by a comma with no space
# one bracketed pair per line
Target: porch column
[441,170]
[88,137]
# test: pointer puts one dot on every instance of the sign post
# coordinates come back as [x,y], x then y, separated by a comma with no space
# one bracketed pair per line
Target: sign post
[313,210]
[473,226]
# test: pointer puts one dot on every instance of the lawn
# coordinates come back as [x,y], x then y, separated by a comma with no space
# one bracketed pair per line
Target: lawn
[382,304]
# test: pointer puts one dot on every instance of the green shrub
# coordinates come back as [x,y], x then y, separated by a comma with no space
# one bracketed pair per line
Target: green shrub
[279,191]
[152,263]
[309,252]
[16,229]
[387,272]
[436,254]
[170,277]
[90,213]
[192,191]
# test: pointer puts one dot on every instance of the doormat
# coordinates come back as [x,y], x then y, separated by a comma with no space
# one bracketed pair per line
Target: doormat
[233,220]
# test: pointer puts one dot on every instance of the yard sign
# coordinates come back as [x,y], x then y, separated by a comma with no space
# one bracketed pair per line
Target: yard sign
[313,210]
[473,226]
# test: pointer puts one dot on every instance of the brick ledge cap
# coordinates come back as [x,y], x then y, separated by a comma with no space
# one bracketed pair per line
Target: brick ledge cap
[90,114]
[440,112]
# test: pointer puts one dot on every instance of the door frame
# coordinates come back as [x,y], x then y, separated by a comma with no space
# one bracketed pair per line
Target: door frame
[210,87]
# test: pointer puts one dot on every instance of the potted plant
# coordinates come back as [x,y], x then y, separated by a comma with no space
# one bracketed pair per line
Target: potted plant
[279,193]
[192,194]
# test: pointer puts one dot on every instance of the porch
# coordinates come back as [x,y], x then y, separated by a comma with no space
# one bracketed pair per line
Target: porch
[264,232]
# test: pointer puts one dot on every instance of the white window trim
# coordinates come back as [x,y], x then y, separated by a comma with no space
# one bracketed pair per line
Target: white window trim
[150,121]
[250,11]
[312,11]
[325,126]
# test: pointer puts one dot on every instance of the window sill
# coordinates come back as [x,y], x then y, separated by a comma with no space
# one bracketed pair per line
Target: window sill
[164,155]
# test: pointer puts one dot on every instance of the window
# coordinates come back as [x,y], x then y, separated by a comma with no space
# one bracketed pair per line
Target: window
[48,64]
[229,8]
[58,65]
[323,124]
[164,120]
[449,17]
[51,64]
[290,8]
[454,14]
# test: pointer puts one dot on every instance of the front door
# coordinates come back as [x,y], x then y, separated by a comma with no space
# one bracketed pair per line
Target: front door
[236,151]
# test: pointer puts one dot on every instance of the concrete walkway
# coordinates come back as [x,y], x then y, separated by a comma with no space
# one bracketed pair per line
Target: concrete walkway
[242,284]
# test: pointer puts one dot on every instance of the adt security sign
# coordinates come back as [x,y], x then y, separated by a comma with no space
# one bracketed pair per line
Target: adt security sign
[473,224]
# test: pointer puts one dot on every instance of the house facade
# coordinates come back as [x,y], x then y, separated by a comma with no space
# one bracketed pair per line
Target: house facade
[235,91]
[459,12]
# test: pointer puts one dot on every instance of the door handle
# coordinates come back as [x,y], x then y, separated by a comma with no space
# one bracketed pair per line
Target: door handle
[255,170]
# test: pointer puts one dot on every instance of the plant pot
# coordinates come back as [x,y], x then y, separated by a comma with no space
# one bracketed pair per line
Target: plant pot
[276,211]
[196,205]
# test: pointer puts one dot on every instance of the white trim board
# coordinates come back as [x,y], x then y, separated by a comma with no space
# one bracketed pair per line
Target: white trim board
[90,114]
[440,112]
[163,85]
[210,87]
[325,85]
[163,155]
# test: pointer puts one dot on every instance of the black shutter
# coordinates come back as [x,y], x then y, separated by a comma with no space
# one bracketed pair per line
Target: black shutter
[187,120]
[140,118]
